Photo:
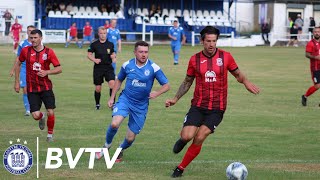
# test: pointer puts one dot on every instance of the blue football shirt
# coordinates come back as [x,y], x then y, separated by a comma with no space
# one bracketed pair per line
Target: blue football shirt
[113,35]
[176,32]
[139,81]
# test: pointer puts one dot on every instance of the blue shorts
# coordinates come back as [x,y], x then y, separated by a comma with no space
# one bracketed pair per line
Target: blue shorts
[137,117]
[175,47]
[72,37]
[23,79]
[87,38]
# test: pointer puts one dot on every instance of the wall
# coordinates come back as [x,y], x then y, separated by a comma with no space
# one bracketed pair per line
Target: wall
[244,15]
[23,9]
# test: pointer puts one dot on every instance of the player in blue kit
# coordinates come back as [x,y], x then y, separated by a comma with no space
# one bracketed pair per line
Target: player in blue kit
[175,34]
[113,35]
[140,73]
[23,82]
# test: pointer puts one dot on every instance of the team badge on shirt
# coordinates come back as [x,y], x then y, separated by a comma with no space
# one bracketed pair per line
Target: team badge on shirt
[219,62]
[108,51]
[44,56]
[147,72]
[36,66]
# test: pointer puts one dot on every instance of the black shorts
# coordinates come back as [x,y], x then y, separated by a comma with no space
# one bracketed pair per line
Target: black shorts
[199,116]
[36,99]
[316,77]
[294,36]
[106,72]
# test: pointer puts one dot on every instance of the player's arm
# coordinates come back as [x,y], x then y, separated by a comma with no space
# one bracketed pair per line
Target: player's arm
[184,38]
[183,89]
[15,64]
[308,55]
[55,70]
[17,68]
[119,45]
[241,78]
[92,58]
[164,88]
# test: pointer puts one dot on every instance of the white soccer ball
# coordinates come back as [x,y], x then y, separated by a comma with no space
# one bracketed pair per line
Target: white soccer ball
[237,171]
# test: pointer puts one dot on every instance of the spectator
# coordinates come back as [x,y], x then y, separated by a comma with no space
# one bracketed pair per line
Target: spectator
[294,36]
[69,7]
[109,8]
[265,30]
[103,8]
[62,6]
[153,10]
[55,7]
[312,24]
[7,18]
[48,8]
[116,8]
[299,23]
[290,24]
[159,11]
[106,24]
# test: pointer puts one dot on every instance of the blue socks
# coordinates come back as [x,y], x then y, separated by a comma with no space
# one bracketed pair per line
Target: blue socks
[176,57]
[114,67]
[125,144]
[111,132]
[26,102]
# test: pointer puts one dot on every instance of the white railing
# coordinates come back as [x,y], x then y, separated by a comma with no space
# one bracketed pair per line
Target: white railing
[193,35]
[275,37]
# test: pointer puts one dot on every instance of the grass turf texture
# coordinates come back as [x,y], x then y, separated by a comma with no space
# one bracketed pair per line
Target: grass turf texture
[271,133]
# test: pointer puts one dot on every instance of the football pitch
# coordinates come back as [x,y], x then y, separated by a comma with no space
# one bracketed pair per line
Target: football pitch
[271,133]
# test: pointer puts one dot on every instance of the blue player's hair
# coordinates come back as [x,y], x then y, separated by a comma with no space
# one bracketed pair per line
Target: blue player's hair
[141,43]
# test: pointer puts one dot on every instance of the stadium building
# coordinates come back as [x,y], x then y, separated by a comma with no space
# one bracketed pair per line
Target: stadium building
[144,19]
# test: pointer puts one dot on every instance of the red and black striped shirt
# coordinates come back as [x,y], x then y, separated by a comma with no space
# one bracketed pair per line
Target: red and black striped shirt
[36,61]
[211,74]
[313,47]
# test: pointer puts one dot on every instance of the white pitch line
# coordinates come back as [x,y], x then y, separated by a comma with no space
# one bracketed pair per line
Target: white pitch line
[205,162]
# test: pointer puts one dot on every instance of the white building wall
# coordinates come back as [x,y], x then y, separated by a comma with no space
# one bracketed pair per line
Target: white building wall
[242,13]
[280,19]
[23,9]
[308,12]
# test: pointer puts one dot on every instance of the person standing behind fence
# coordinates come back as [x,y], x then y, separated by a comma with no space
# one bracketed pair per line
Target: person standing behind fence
[113,35]
[265,30]
[73,35]
[299,23]
[87,33]
[175,34]
[15,30]
[7,17]
[312,24]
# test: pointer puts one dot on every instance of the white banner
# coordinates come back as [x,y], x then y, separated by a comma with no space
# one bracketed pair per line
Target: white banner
[54,36]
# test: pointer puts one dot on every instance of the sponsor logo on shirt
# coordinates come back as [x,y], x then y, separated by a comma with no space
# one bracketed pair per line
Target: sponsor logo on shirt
[210,76]
[137,83]
[219,62]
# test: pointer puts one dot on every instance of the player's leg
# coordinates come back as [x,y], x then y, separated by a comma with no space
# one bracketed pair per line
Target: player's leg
[210,122]
[68,42]
[49,102]
[97,81]
[23,84]
[35,105]
[77,42]
[16,43]
[177,53]
[114,65]
[191,123]
[136,122]
[110,77]
[312,89]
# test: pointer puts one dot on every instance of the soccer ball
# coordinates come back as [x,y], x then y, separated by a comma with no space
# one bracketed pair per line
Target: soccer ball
[237,171]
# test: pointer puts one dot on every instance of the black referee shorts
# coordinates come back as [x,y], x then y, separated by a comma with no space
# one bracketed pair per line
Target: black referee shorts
[36,99]
[105,72]
[199,116]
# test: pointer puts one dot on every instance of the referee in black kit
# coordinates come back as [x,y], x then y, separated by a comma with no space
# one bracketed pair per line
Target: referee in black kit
[103,56]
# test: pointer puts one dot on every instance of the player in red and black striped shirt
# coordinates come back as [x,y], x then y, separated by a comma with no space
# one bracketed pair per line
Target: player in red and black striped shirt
[313,53]
[210,68]
[39,87]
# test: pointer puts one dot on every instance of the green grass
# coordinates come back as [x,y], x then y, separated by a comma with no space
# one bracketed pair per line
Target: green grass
[271,133]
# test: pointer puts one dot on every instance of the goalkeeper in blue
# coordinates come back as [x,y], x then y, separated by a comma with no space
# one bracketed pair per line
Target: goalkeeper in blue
[133,101]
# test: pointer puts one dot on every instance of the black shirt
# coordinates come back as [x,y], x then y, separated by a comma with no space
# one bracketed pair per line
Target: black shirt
[102,51]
